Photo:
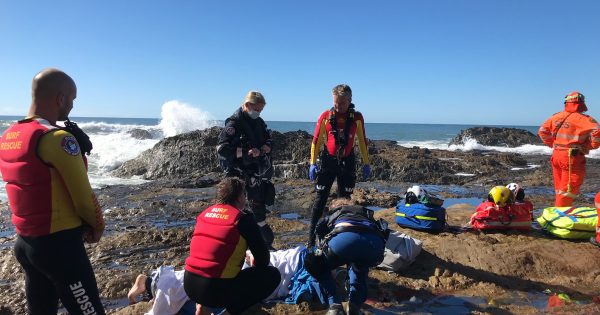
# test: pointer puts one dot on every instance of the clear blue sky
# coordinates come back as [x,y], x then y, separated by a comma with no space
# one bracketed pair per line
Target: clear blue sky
[472,62]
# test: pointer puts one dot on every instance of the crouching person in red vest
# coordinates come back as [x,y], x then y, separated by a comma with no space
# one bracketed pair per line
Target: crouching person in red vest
[213,271]
[596,240]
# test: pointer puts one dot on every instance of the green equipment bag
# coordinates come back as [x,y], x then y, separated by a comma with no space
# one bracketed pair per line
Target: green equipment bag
[569,222]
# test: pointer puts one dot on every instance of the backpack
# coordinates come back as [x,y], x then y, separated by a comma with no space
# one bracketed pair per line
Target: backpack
[421,216]
[401,250]
[569,222]
[489,216]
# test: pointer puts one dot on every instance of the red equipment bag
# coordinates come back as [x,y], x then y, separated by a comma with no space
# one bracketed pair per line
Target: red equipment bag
[516,216]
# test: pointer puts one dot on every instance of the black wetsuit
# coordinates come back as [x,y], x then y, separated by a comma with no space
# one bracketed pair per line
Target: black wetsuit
[68,275]
[241,131]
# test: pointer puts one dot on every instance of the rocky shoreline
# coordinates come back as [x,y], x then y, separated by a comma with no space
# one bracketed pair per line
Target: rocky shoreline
[190,160]
[149,225]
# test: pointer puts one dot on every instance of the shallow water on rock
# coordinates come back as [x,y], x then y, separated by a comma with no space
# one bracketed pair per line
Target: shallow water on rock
[290,216]
[455,201]
[461,191]
[437,305]
[163,224]
[449,304]
[538,300]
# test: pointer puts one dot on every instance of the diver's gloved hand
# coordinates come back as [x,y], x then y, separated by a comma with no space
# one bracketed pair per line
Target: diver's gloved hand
[366,171]
[82,138]
[312,172]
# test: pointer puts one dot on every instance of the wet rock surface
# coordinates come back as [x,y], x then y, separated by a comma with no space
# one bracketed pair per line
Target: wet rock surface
[189,155]
[150,225]
[140,134]
[494,136]
[192,155]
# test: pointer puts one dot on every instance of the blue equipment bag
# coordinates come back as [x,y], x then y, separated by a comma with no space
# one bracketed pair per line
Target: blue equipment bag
[420,216]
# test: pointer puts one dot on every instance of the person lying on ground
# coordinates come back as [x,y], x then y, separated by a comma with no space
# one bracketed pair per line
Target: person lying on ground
[164,286]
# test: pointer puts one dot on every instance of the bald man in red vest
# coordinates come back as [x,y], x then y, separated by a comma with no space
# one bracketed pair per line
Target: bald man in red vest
[53,206]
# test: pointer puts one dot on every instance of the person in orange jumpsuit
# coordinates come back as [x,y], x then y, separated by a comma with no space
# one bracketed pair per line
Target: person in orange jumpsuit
[572,135]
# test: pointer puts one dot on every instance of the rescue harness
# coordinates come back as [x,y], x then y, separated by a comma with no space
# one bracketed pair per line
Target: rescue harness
[341,141]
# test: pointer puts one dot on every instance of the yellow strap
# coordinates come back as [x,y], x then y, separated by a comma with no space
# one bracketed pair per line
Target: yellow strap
[569,182]
[315,148]
[362,142]
[420,217]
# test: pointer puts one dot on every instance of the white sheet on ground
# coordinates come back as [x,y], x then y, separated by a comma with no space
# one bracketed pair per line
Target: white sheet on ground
[170,295]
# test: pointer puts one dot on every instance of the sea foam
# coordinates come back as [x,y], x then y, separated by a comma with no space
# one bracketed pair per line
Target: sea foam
[472,145]
[178,117]
[113,144]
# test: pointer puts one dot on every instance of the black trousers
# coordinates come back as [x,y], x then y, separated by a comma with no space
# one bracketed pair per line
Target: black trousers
[256,194]
[331,169]
[255,190]
[250,286]
[57,266]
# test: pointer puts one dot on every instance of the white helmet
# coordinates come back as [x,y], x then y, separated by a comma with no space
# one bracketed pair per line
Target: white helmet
[517,191]
[416,190]
[415,194]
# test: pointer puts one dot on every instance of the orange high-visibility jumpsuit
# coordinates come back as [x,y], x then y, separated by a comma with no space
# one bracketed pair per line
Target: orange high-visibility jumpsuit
[572,135]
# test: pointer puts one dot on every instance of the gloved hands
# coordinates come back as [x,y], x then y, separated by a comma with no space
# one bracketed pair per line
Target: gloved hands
[366,170]
[312,172]
[91,235]
[82,138]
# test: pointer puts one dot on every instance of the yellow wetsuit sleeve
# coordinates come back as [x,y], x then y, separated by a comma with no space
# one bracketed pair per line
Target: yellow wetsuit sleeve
[362,141]
[318,138]
[60,150]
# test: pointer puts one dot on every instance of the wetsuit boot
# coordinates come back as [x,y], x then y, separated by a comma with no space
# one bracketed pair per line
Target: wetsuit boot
[335,309]
[354,309]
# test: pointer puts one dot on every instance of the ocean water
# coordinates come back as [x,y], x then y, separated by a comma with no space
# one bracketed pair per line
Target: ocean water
[431,136]
[113,144]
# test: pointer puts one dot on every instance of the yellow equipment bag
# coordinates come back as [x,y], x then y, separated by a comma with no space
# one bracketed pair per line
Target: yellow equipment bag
[569,222]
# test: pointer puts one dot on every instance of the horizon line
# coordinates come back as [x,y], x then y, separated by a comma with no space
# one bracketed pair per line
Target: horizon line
[295,121]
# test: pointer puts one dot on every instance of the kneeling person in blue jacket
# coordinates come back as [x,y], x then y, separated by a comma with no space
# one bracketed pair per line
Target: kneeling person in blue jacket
[348,236]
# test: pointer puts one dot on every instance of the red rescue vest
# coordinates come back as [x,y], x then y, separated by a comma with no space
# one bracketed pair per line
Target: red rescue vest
[217,249]
[27,177]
